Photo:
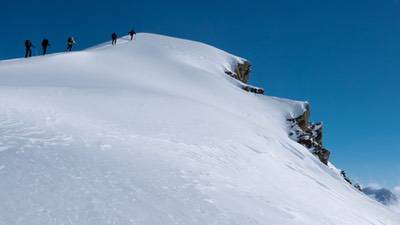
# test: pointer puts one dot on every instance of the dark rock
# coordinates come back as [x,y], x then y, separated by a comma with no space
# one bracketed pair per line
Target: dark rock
[323,155]
[302,121]
[358,187]
[260,91]
[253,89]
[343,173]
[242,71]
[309,135]
[229,73]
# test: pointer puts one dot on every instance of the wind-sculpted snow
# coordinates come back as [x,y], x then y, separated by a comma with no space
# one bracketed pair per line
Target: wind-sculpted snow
[153,132]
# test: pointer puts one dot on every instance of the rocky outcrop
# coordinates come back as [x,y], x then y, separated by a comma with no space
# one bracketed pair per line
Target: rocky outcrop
[358,187]
[241,72]
[253,89]
[348,180]
[309,135]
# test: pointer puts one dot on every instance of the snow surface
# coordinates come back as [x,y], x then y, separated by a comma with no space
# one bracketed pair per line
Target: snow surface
[153,132]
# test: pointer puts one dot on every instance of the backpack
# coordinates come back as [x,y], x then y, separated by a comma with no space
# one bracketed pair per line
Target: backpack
[45,42]
[70,41]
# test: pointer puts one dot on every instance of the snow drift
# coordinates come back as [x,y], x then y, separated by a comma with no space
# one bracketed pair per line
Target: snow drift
[154,132]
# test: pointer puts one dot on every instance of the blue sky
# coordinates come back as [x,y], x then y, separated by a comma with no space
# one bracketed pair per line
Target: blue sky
[342,56]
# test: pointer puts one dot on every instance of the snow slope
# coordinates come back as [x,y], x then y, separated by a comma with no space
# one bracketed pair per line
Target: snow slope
[153,132]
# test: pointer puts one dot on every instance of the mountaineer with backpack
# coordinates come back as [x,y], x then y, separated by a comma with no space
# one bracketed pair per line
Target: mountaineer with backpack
[114,38]
[132,33]
[45,44]
[28,48]
[70,43]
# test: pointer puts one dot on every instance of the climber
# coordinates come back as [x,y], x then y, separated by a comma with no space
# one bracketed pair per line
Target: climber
[132,33]
[70,43]
[114,38]
[45,44]
[28,48]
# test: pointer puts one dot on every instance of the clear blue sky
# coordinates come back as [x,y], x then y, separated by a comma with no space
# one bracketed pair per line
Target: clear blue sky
[342,56]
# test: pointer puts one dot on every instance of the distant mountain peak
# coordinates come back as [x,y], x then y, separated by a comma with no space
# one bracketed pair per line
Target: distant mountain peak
[382,195]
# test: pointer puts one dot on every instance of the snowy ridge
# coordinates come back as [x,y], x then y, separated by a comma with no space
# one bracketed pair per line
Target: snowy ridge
[154,132]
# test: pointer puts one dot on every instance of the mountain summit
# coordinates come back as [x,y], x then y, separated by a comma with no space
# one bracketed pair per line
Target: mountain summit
[154,131]
[382,195]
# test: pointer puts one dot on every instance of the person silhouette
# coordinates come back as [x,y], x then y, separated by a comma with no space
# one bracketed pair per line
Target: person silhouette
[114,37]
[28,48]
[132,33]
[45,44]
[70,43]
